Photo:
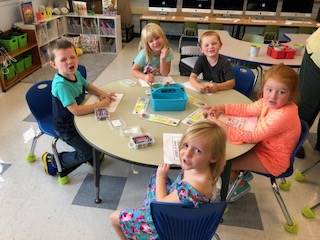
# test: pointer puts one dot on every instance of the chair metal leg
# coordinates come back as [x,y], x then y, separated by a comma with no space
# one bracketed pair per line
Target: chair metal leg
[216,236]
[55,154]
[291,226]
[309,168]
[31,157]
[234,186]
[62,179]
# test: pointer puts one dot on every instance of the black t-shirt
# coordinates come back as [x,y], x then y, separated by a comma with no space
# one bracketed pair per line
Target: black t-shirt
[219,73]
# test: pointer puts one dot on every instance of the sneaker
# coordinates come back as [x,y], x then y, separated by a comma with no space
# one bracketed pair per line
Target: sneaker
[247,176]
[240,191]
[48,164]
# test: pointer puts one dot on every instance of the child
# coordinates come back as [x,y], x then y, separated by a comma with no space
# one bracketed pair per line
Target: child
[277,131]
[216,69]
[68,92]
[202,157]
[154,57]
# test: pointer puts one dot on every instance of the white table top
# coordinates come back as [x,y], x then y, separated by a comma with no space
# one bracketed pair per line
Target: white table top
[107,139]
[238,49]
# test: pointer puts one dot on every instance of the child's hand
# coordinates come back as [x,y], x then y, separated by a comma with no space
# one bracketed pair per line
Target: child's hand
[111,96]
[163,170]
[164,52]
[105,102]
[205,88]
[149,78]
[213,87]
[213,111]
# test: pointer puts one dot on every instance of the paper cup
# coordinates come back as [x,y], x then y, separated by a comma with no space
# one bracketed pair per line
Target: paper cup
[254,50]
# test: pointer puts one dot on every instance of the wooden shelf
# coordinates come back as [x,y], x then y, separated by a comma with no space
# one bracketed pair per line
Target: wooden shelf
[6,84]
[31,48]
[22,50]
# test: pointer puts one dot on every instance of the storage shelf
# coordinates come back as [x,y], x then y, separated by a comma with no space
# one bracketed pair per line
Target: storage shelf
[6,84]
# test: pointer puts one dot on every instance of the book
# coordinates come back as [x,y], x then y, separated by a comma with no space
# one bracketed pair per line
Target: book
[27,12]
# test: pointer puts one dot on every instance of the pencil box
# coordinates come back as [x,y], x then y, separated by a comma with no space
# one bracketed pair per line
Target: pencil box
[168,97]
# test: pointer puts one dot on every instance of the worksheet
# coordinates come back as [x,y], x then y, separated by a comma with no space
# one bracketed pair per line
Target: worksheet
[171,143]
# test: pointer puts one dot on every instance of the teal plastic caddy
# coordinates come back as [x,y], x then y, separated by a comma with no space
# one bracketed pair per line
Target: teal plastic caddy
[168,97]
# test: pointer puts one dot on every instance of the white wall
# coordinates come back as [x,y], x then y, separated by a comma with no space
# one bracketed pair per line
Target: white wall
[9,14]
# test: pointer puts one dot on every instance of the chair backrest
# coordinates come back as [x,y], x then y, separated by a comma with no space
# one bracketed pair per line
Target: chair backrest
[271,32]
[303,136]
[39,99]
[82,69]
[181,222]
[245,79]
[253,38]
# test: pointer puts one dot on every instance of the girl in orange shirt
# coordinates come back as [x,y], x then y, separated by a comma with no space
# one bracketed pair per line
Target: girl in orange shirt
[278,126]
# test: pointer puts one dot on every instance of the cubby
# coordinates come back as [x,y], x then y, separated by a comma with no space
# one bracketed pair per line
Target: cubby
[46,32]
[106,28]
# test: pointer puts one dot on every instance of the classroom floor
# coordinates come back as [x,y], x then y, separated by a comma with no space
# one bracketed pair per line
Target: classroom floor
[33,206]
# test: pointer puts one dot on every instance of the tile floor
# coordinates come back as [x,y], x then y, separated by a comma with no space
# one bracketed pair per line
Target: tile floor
[33,206]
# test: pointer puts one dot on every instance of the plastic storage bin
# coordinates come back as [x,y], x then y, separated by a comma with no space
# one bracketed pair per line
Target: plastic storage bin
[19,65]
[27,61]
[282,52]
[169,97]
[10,43]
[10,72]
[22,40]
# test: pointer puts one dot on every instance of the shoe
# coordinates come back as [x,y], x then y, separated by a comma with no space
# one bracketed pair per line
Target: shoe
[240,191]
[48,164]
[247,176]
[301,153]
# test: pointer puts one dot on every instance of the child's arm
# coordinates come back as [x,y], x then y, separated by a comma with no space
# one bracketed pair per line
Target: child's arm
[100,93]
[229,84]
[79,110]
[161,183]
[137,72]
[164,65]
[203,87]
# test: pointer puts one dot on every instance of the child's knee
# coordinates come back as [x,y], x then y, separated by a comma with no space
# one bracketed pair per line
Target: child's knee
[114,218]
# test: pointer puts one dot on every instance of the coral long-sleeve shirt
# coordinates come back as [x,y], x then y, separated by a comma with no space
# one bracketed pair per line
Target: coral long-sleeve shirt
[276,133]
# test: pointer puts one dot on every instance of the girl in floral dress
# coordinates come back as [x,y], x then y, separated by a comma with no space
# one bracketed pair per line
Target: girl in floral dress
[202,158]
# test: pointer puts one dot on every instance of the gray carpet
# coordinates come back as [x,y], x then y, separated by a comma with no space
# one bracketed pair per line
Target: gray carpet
[95,64]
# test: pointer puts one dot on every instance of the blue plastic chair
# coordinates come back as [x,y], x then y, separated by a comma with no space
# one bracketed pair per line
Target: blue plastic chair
[39,100]
[184,222]
[82,69]
[290,225]
[245,80]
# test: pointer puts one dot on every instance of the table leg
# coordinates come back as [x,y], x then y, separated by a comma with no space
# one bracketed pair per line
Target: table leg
[225,176]
[96,164]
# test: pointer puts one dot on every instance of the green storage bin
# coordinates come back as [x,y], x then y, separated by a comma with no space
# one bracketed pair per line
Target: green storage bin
[10,72]
[19,65]
[10,43]
[27,61]
[22,40]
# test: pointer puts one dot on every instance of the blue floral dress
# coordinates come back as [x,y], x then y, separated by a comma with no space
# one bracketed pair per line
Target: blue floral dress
[137,224]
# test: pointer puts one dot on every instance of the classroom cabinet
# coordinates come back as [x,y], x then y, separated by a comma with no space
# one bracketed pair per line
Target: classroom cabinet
[46,31]
[19,63]
[107,29]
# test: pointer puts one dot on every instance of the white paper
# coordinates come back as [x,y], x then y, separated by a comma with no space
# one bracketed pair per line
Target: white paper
[113,105]
[243,123]
[189,86]
[171,143]
[157,79]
